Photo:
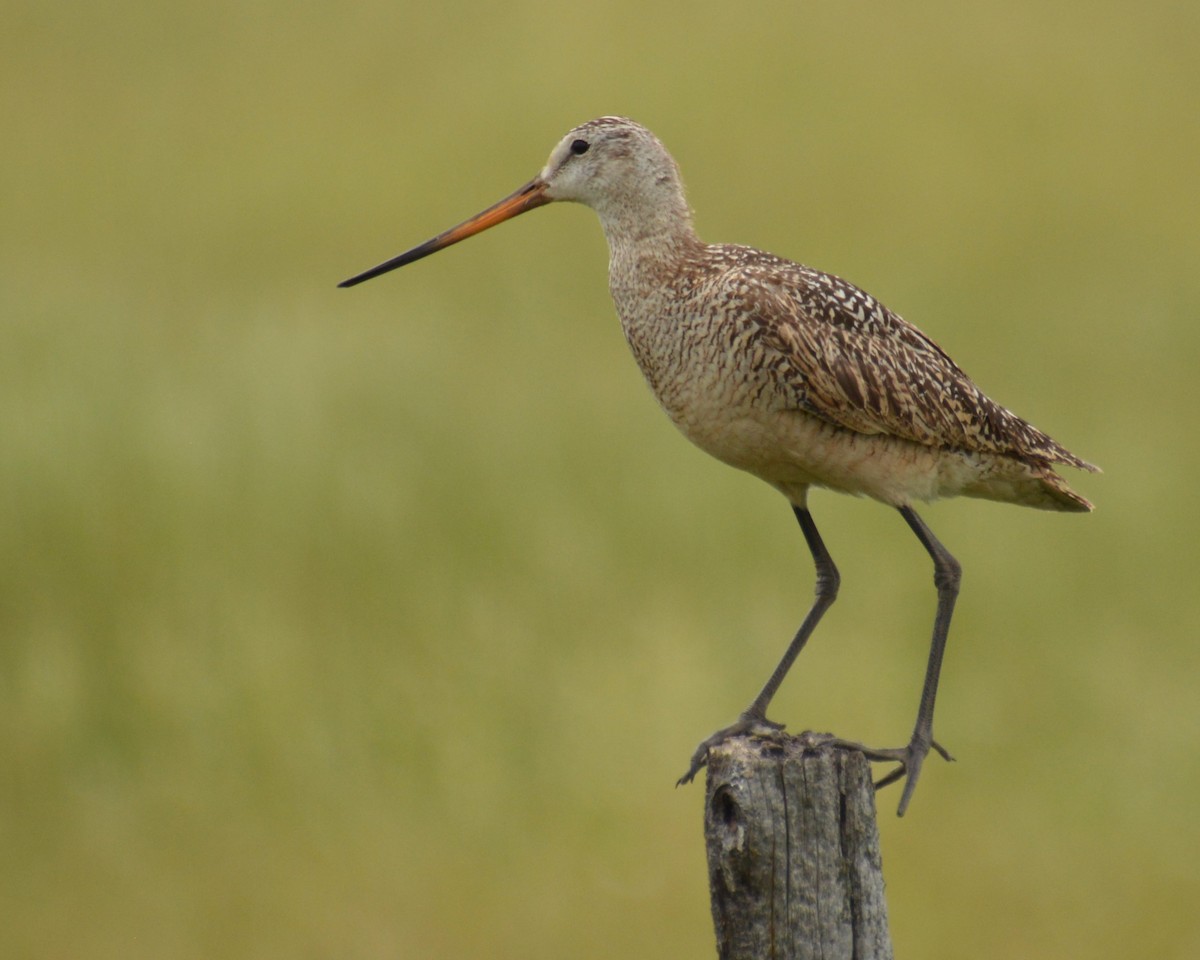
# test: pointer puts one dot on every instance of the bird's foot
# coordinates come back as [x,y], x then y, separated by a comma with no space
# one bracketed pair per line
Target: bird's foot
[747,725]
[909,758]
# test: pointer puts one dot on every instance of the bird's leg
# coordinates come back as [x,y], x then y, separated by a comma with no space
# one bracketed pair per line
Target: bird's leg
[946,577]
[754,718]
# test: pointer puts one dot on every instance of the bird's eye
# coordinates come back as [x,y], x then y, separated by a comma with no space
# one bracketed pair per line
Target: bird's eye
[579,146]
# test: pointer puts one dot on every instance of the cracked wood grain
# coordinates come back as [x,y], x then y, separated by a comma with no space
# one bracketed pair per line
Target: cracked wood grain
[793,852]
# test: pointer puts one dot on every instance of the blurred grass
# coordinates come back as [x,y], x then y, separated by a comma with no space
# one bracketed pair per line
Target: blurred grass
[378,624]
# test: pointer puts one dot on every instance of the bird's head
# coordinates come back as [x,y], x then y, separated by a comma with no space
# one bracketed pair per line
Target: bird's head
[611,164]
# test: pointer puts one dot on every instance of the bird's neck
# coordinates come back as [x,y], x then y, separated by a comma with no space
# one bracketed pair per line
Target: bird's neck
[650,237]
[647,262]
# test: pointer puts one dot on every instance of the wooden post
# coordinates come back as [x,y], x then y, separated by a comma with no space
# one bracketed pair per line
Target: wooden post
[793,851]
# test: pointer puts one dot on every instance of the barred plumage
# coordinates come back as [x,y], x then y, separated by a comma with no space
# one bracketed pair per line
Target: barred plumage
[791,374]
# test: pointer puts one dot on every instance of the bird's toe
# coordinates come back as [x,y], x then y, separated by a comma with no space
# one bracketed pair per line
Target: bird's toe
[747,725]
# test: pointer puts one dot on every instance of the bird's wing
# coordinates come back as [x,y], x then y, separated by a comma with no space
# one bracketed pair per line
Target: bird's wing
[850,360]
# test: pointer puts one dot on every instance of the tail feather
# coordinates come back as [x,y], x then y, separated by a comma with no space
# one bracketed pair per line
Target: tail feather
[1065,457]
[1030,485]
[1062,497]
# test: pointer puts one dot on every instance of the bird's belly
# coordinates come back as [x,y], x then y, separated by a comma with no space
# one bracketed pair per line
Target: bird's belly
[793,450]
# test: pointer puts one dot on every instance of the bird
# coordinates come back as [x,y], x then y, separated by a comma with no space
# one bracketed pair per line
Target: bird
[793,375]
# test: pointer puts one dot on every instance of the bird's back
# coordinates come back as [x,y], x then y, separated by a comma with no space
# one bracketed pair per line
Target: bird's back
[733,339]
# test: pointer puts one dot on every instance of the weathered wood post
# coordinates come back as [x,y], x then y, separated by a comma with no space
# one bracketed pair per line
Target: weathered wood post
[793,852]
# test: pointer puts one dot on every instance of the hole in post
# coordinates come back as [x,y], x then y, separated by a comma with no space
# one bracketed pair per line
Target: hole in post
[725,808]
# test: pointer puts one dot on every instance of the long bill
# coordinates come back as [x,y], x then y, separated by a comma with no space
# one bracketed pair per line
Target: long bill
[533,194]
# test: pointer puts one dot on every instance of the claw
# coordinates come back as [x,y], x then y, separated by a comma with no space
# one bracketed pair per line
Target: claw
[747,725]
[909,761]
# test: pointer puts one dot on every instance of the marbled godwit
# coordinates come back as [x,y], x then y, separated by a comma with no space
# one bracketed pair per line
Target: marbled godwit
[791,374]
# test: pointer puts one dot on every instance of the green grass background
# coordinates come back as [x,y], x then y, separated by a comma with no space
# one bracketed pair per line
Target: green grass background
[379,623]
